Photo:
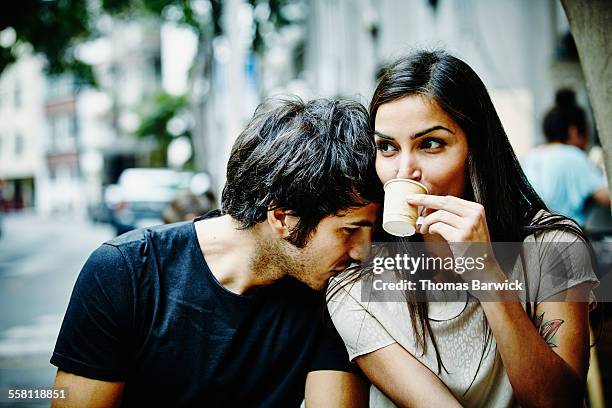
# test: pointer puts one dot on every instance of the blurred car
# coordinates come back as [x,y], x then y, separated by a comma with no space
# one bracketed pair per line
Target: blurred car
[99,212]
[140,196]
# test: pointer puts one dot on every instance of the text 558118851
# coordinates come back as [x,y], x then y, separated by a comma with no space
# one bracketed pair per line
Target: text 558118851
[29,394]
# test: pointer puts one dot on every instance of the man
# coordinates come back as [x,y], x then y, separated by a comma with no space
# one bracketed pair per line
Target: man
[560,170]
[228,310]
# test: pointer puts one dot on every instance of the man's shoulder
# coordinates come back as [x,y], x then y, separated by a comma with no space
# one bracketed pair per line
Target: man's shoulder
[166,232]
[569,154]
[163,241]
[142,234]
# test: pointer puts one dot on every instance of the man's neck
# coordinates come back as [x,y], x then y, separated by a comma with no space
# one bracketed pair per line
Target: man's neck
[231,254]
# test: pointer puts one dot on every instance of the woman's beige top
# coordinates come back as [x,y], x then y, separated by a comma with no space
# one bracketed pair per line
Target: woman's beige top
[366,326]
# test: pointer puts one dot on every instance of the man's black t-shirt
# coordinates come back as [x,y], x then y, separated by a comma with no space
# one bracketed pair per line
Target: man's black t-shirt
[147,310]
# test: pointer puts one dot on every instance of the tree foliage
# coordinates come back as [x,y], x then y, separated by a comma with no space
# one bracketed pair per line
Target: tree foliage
[53,28]
[155,118]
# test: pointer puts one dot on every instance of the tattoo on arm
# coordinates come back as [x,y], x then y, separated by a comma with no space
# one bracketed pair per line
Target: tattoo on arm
[548,329]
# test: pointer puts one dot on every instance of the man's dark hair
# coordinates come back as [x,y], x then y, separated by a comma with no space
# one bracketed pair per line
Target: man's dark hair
[312,159]
[564,114]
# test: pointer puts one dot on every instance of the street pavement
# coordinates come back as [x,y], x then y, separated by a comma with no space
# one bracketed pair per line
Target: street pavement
[40,258]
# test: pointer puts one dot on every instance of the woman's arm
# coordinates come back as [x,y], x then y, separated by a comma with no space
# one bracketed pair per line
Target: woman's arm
[543,372]
[335,389]
[547,365]
[404,379]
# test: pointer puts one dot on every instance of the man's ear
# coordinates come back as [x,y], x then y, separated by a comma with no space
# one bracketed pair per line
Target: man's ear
[281,222]
[574,137]
[577,138]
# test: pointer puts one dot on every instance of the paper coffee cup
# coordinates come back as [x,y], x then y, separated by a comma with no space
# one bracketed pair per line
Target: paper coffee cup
[399,217]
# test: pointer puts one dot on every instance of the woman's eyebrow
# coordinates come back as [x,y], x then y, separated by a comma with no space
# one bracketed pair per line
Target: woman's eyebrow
[382,135]
[431,129]
[416,135]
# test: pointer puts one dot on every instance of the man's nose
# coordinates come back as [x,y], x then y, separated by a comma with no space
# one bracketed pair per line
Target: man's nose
[361,246]
[409,168]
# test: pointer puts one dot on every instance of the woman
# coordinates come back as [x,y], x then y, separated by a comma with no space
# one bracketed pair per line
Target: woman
[434,123]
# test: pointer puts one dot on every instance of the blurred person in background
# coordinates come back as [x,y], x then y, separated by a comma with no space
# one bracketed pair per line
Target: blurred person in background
[186,206]
[434,123]
[1,204]
[560,170]
[228,310]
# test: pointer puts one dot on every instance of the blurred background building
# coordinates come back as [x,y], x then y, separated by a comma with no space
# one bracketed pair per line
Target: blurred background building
[22,131]
[63,140]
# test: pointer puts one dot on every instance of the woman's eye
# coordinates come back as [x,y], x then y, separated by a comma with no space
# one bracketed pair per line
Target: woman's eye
[385,147]
[432,144]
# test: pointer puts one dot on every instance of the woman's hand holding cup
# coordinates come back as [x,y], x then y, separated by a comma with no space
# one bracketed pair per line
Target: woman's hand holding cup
[463,225]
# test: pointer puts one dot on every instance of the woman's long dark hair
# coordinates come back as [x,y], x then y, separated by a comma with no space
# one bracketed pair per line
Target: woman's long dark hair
[495,177]
[491,160]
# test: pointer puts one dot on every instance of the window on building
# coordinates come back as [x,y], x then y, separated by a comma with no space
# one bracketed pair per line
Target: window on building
[19,142]
[59,87]
[74,127]
[17,96]
[63,132]
[53,132]
[157,67]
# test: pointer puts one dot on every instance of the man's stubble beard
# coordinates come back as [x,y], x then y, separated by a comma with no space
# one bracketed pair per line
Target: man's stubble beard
[278,258]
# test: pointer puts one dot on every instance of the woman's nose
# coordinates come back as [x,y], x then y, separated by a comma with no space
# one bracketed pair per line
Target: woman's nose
[409,168]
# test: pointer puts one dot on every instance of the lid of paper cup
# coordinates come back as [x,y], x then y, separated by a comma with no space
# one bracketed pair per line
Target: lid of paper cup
[399,228]
[405,180]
